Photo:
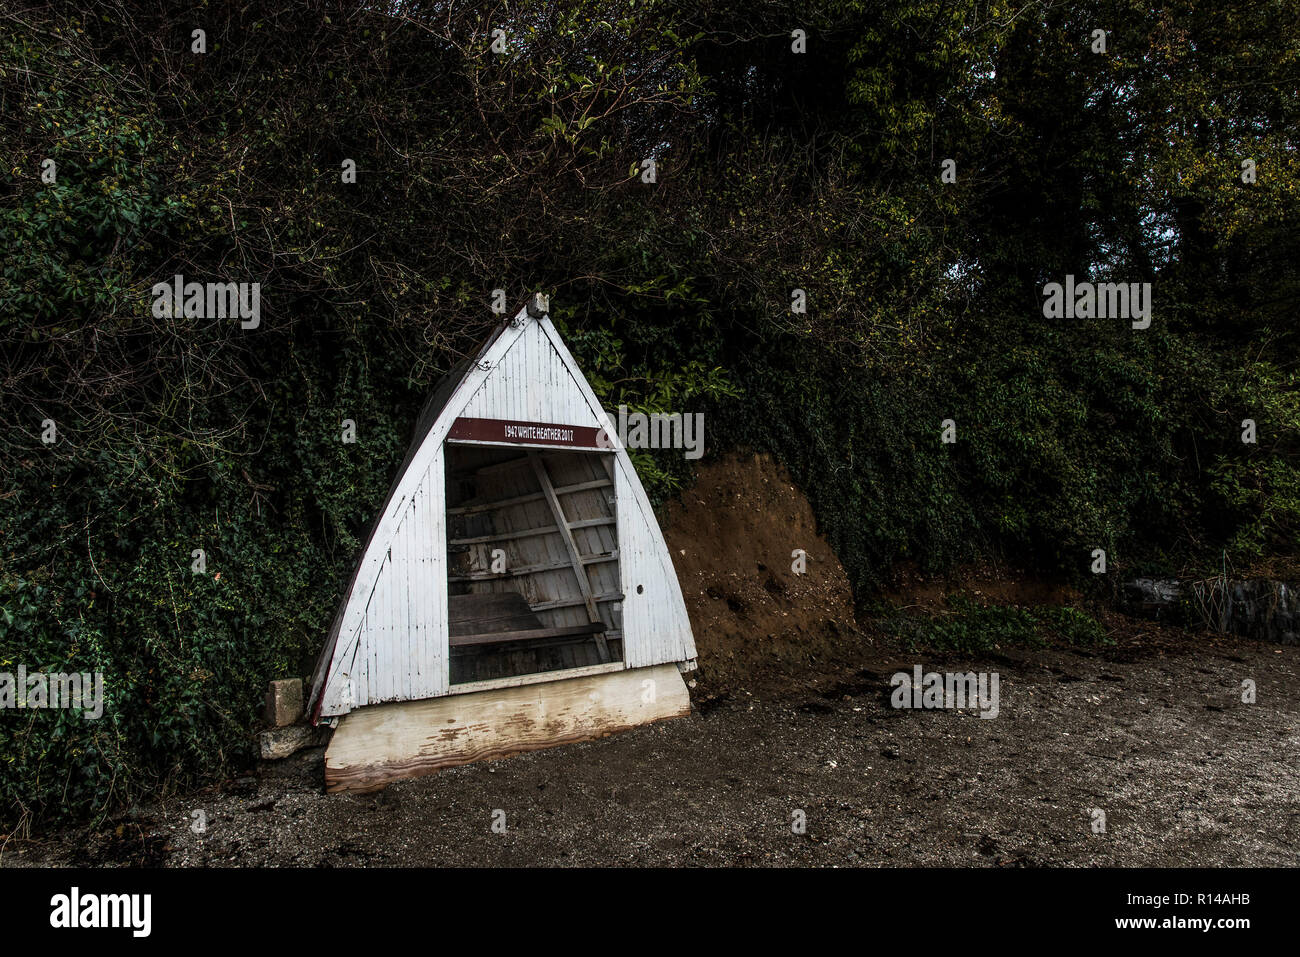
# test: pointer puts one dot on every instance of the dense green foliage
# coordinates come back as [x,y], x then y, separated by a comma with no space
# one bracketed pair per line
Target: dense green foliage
[970,626]
[776,170]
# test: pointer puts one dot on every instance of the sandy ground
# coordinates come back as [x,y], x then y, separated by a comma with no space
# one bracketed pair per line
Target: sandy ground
[1152,732]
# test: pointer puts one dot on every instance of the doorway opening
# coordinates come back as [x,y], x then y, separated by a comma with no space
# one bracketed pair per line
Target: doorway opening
[533,561]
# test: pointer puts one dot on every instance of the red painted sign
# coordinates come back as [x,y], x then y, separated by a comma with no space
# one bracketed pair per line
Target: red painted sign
[509,432]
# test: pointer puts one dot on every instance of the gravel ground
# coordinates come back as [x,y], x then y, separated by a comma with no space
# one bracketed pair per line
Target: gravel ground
[1153,733]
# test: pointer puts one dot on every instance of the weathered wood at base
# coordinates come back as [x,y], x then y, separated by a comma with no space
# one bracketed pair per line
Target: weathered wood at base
[379,744]
[487,612]
[499,617]
[532,634]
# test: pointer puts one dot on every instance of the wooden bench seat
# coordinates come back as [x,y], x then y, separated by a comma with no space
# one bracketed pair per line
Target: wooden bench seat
[490,618]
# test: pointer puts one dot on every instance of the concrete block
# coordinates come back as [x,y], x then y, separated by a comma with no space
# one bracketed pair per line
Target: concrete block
[284,702]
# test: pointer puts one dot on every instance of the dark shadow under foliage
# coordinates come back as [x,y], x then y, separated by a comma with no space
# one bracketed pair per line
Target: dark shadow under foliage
[477,170]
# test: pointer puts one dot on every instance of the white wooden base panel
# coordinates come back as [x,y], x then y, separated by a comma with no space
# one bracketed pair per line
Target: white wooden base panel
[379,744]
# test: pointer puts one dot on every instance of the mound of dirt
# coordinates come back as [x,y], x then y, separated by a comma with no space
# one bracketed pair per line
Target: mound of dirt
[760,628]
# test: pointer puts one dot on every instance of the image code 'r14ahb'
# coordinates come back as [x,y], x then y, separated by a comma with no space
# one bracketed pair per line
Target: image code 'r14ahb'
[515,591]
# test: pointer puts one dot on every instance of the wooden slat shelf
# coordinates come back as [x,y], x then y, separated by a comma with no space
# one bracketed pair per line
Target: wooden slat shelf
[572,602]
[497,617]
[530,634]
[530,569]
[529,532]
[531,497]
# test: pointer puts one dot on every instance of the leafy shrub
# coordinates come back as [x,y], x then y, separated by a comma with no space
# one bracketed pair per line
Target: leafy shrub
[971,627]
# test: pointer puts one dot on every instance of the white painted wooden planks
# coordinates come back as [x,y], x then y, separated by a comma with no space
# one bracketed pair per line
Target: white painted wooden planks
[401,640]
[656,628]
[530,384]
[333,689]
[407,623]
